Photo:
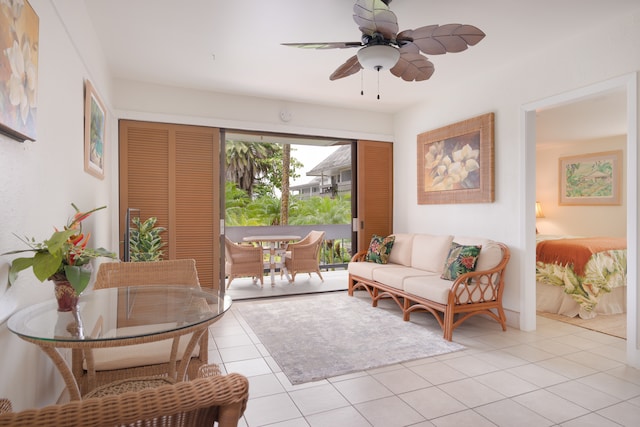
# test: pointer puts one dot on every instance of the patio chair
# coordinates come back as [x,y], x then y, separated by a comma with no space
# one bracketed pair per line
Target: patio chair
[220,399]
[304,256]
[243,261]
[137,363]
[169,272]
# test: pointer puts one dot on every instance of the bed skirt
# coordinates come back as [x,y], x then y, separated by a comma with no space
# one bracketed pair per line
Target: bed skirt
[552,299]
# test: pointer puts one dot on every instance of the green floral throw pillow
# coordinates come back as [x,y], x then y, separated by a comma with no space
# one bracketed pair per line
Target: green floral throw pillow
[461,259]
[380,248]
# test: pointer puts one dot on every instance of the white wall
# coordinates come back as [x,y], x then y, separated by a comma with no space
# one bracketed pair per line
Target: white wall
[144,101]
[38,182]
[577,220]
[564,67]
[561,68]
[582,61]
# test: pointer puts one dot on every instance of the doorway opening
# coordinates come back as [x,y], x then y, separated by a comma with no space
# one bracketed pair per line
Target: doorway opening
[628,85]
[575,142]
[277,184]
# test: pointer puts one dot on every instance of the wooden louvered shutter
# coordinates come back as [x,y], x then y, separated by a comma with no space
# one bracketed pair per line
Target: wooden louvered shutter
[172,172]
[374,190]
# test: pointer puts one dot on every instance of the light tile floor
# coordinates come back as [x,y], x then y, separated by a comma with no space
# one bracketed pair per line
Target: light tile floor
[559,375]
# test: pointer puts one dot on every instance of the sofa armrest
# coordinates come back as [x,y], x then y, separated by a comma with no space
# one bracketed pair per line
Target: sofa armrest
[480,286]
[359,256]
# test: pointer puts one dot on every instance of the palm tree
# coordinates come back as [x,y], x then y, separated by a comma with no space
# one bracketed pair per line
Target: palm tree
[284,201]
[265,209]
[245,162]
[323,210]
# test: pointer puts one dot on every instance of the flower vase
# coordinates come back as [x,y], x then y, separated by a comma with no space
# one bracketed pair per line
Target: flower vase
[65,295]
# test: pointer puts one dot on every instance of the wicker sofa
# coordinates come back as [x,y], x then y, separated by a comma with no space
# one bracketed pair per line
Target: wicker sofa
[412,278]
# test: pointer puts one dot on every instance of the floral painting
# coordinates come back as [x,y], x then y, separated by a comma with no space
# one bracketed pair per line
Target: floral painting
[591,179]
[18,69]
[455,163]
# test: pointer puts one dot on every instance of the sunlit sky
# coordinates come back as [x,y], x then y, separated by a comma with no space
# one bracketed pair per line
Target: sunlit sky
[309,156]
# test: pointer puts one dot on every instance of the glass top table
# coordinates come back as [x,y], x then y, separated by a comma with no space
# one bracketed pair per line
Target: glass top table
[118,317]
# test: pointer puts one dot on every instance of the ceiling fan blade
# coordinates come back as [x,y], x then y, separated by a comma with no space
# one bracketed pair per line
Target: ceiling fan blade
[325,45]
[440,39]
[412,66]
[350,67]
[374,16]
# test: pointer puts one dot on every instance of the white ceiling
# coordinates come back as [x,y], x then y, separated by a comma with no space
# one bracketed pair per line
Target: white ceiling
[234,46]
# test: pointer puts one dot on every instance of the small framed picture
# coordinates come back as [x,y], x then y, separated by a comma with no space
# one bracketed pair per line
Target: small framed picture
[591,179]
[94,132]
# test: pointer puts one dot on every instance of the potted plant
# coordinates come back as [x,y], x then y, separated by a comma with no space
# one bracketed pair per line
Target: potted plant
[62,258]
[145,242]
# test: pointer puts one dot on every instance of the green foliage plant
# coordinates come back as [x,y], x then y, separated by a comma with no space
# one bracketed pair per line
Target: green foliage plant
[64,255]
[145,242]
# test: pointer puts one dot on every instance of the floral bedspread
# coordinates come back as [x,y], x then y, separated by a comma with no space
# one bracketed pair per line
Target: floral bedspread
[603,272]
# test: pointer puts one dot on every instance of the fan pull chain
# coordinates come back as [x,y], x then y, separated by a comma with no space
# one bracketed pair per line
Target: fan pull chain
[378,70]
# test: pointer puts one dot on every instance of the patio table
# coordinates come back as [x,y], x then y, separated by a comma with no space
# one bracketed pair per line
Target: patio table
[274,248]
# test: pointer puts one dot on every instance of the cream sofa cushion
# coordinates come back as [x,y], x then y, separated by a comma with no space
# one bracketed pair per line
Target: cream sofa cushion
[152,353]
[395,276]
[437,290]
[430,252]
[490,254]
[401,250]
[432,288]
[364,269]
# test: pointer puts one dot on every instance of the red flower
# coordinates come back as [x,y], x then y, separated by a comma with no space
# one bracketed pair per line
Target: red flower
[468,262]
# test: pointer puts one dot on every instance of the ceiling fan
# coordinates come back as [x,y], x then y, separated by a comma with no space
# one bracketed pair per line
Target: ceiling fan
[382,47]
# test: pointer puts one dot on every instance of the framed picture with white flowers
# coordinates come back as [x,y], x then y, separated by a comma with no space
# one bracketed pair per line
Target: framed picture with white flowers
[19,32]
[456,163]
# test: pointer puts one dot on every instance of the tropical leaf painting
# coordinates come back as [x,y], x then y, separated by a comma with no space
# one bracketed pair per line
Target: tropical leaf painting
[94,132]
[591,179]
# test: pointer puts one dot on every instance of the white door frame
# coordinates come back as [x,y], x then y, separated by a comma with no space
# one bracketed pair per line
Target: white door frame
[629,83]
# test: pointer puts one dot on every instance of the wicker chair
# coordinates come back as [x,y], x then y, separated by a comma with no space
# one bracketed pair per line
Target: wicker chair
[118,274]
[200,402]
[170,272]
[243,261]
[303,256]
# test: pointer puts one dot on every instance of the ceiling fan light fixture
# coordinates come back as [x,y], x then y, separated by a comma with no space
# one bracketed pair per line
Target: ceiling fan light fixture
[378,57]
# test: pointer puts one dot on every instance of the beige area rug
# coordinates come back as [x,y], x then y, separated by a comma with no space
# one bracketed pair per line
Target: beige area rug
[611,324]
[321,336]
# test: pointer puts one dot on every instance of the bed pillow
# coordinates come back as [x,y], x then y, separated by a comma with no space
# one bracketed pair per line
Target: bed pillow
[380,248]
[461,259]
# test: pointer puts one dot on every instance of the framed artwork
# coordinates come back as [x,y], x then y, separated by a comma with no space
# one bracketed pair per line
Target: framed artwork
[94,131]
[456,163]
[19,32]
[591,179]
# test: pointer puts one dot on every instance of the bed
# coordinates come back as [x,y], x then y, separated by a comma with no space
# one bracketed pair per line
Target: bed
[581,276]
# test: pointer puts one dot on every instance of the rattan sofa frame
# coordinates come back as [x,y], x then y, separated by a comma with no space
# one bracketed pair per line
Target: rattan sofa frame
[471,294]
